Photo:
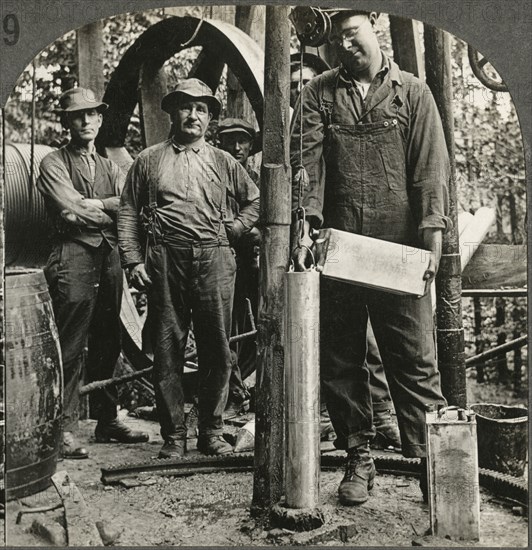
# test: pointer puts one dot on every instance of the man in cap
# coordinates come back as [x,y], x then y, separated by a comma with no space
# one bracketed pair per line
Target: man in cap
[377,162]
[387,432]
[181,189]
[237,137]
[82,192]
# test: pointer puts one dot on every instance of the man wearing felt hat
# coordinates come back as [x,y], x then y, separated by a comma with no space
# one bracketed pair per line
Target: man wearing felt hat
[180,190]
[82,191]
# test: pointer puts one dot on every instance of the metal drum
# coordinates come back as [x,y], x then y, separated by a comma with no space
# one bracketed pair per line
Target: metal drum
[34,384]
[27,226]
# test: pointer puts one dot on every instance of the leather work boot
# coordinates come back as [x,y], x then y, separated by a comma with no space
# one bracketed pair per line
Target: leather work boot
[175,448]
[387,431]
[424,481]
[71,450]
[213,445]
[114,429]
[358,478]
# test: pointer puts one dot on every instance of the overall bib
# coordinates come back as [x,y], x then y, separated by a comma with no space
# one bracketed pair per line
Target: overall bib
[366,192]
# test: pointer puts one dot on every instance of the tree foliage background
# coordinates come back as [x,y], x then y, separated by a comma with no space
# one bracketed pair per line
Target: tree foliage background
[488,142]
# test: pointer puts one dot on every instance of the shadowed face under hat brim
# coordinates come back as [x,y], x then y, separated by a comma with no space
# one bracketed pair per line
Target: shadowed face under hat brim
[171,101]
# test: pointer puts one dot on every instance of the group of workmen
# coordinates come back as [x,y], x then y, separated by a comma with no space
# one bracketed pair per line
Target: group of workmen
[183,224]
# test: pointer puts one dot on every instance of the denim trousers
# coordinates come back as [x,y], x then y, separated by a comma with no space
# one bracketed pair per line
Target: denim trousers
[404,332]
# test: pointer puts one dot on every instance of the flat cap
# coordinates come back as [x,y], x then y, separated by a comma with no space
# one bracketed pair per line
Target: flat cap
[231,125]
[80,99]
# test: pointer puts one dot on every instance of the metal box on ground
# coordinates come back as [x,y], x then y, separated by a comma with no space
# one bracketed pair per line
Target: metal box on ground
[452,467]
[372,263]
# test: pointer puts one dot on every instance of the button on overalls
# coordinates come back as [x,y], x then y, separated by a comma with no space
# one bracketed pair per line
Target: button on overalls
[366,192]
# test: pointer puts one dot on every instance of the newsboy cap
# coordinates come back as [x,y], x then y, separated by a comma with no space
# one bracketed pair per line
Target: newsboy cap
[80,99]
[194,89]
[233,125]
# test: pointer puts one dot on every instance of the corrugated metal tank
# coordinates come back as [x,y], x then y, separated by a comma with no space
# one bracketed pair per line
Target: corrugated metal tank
[27,227]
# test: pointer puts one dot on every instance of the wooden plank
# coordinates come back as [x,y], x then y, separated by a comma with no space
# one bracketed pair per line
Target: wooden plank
[496,266]
[80,527]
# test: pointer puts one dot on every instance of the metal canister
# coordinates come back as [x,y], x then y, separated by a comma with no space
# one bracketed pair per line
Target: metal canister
[452,467]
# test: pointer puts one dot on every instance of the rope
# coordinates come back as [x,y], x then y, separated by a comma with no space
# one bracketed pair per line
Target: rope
[195,33]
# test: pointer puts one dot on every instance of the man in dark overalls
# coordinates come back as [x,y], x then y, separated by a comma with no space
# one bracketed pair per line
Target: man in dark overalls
[375,153]
[181,188]
[82,191]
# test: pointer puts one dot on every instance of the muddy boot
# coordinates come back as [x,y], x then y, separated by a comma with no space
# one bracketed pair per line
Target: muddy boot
[213,445]
[359,476]
[387,431]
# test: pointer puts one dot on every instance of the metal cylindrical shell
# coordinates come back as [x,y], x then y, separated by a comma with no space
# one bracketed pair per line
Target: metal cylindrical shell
[302,388]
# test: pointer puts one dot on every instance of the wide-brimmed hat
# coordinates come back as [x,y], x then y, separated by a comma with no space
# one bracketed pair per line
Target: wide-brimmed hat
[80,99]
[195,89]
[234,125]
[340,12]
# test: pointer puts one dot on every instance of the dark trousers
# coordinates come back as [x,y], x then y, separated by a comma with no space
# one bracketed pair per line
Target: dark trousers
[380,392]
[190,283]
[244,353]
[404,331]
[86,288]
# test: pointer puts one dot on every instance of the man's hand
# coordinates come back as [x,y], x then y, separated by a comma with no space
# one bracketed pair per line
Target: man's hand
[301,255]
[139,277]
[432,241]
[97,203]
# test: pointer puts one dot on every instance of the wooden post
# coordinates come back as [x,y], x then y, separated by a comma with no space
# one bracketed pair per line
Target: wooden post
[90,57]
[407,45]
[479,343]
[450,331]
[250,19]
[155,124]
[274,257]
[500,319]
[90,75]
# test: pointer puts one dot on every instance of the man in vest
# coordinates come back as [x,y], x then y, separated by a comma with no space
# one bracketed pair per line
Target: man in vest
[377,162]
[82,192]
[181,189]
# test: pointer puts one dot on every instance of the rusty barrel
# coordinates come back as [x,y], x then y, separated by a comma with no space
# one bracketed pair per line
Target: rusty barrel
[33,383]
[502,437]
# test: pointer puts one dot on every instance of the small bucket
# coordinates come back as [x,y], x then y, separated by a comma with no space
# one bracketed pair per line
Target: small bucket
[502,437]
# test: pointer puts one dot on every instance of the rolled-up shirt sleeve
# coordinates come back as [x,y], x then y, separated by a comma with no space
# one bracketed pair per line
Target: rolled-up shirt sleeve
[428,168]
[133,198]
[311,154]
[56,186]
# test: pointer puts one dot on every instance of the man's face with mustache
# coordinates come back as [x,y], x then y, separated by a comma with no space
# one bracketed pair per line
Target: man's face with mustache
[354,41]
[191,120]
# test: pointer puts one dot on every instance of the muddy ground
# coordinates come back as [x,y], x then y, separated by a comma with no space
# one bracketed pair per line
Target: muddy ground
[213,509]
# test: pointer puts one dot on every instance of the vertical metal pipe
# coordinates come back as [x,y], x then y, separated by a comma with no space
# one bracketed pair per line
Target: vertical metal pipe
[302,389]
[450,331]
[275,218]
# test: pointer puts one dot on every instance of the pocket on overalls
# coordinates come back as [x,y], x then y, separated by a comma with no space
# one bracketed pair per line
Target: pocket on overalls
[392,151]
